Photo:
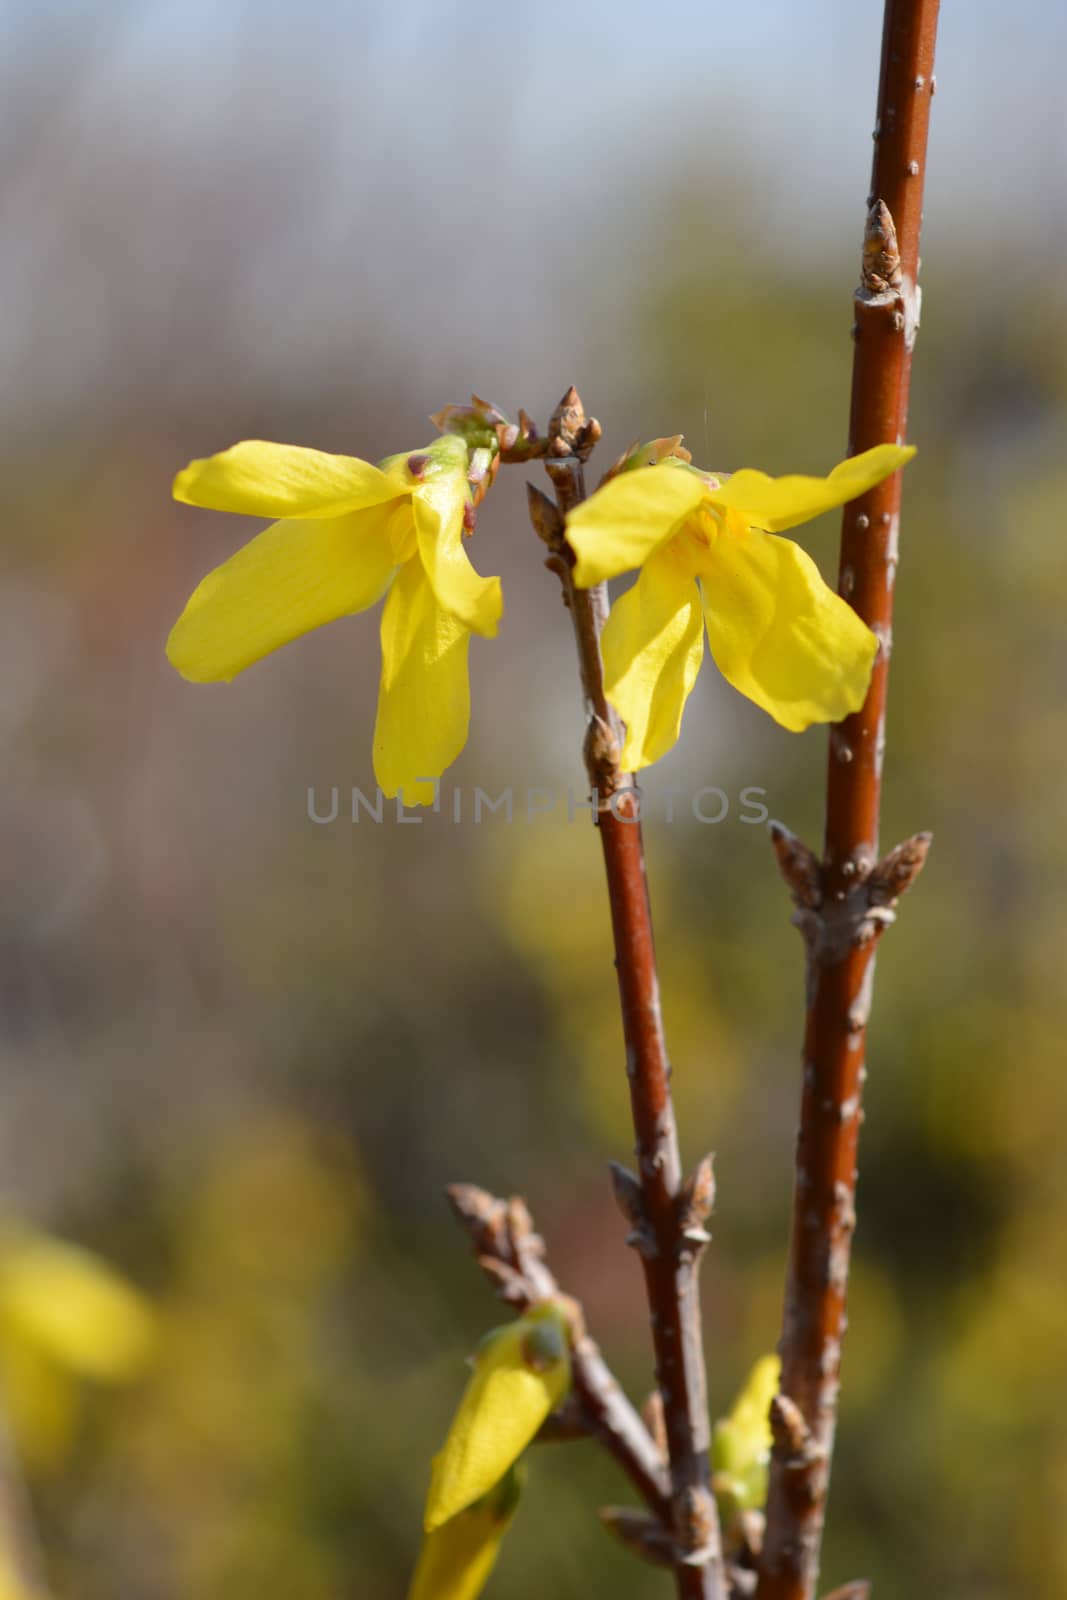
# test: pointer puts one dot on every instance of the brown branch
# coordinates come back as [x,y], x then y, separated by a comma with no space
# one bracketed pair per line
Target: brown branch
[512,1256]
[667,1216]
[846,901]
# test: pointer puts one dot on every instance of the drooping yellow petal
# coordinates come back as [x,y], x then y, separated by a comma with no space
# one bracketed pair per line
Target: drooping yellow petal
[283,480]
[294,576]
[778,633]
[653,645]
[438,505]
[457,1558]
[75,1308]
[620,525]
[779,503]
[521,1373]
[424,696]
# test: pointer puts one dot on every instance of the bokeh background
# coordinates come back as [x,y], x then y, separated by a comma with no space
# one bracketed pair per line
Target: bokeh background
[242,1052]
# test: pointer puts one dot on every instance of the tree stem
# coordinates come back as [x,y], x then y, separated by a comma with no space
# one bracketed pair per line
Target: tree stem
[666,1214]
[845,902]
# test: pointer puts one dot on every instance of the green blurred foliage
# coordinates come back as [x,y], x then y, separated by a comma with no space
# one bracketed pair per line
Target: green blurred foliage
[244,1053]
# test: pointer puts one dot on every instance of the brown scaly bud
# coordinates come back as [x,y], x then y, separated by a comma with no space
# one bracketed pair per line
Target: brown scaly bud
[696,1201]
[792,1436]
[798,865]
[631,1203]
[589,438]
[601,753]
[521,1231]
[510,1285]
[547,522]
[641,1533]
[482,1215]
[570,431]
[881,255]
[627,1192]
[897,871]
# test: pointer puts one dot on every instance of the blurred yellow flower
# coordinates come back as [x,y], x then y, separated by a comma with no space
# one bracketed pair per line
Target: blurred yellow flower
[457,1557]
[64,1315]
[709,558]
[14,1587]
[521,1373]
[347,533]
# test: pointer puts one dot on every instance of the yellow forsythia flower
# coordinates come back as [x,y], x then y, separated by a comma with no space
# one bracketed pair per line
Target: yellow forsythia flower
[457,1558]
[521,1373]
[741,1445]
[709,557]
[64,1315]
[347,533]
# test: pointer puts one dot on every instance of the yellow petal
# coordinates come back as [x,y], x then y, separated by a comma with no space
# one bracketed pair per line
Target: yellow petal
[75,1308]
[521,1373]
[779,634]
[438,505]
[620,525]
[751,1410]
[741,1442]
[457,1558]
[41,1399]
[283,480]
[294,576]
[780,503]
[653,645]
[424,697]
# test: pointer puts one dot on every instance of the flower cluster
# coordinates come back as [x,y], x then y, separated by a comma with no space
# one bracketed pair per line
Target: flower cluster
[708,548]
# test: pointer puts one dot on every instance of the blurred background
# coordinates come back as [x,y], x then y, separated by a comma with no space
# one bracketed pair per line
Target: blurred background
[243,1052]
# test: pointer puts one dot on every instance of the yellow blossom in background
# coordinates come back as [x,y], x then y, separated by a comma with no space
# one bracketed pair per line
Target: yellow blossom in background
[710,557]
[456,1558]
[65,1315]
[741,1442]
[349,533]
[521,1373]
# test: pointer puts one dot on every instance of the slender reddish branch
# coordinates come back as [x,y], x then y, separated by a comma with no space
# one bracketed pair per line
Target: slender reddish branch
[846,901]
[667,1215]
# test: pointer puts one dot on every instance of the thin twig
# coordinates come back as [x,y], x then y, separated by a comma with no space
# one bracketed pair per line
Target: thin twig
[846,901]
[666,1214]
[512,1256]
